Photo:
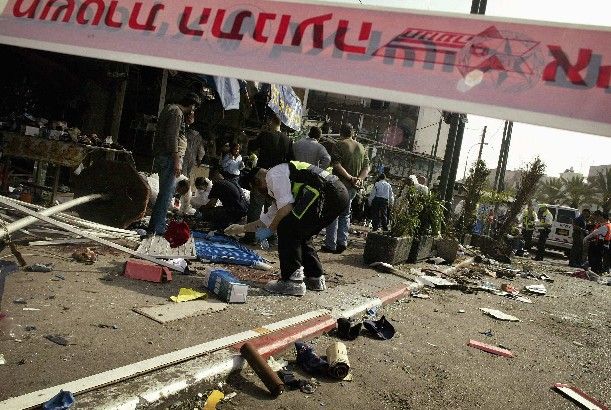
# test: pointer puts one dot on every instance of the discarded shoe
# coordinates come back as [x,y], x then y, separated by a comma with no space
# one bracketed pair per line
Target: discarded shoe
[381,329]
[316,284]
[308,360]
[290,381]
[62,400]
[347,330]
[286,287]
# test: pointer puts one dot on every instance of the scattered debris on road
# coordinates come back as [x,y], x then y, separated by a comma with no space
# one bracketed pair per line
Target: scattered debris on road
[87,256]
[214,398]
[579,396]
[58,339]
[61,401]
[499,351]
[187,294]
[261,368]
[536,289]
[40,267]
[339,364]
[497,314]
[381,329]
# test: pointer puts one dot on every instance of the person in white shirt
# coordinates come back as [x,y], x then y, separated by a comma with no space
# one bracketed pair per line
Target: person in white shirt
[413,180]
[233,163]
[544,227]
[422,183]
[380,198]
[305,199]
[183,190]
[203,186]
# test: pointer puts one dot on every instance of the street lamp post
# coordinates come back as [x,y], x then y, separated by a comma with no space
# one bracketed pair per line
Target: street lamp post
[464,175]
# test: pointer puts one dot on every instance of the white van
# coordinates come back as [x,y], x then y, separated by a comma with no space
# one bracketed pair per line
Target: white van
[561,233]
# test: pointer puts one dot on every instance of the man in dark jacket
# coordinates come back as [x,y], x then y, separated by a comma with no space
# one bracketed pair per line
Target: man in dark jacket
[169,147]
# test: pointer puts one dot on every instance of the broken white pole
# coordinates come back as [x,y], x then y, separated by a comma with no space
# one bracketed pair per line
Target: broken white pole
[29,220]
[80,232]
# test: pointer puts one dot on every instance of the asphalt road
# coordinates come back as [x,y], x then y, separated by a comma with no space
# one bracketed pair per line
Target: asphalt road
[561,337]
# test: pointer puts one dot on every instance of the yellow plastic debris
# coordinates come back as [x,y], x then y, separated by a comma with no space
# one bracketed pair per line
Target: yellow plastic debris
[187,294]
[215,397]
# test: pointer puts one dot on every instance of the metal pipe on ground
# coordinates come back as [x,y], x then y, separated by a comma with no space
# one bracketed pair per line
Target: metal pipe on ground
[29,220]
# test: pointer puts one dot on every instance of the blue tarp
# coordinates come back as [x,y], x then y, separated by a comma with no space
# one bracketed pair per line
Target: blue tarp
[224,249]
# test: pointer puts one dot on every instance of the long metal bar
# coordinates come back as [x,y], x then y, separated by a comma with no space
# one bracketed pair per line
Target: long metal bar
[73,219]
[84,234]
[29,220]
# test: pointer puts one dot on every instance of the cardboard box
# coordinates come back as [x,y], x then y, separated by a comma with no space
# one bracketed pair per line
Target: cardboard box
[225,286]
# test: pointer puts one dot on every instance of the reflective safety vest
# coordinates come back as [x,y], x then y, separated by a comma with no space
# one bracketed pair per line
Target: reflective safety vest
[307,184]
[528,220]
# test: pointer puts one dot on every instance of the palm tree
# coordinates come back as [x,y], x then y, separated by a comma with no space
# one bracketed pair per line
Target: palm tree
[576,191]
[550,191]
[601,183]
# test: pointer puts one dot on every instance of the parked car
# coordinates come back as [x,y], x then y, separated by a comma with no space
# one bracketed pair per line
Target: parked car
[561,233]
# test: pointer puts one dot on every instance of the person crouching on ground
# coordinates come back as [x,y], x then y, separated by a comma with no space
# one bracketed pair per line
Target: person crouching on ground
[305,199]
[234,203]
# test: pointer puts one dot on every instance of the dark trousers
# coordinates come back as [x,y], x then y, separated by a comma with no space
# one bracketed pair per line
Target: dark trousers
[527,234]
[576,258]
[221,217]
[543,234]
[379,209]
[598,256]
[295,247]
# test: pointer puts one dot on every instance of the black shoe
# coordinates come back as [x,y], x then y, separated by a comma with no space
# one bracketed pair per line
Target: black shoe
[340,249]
[537,258]
[324,249]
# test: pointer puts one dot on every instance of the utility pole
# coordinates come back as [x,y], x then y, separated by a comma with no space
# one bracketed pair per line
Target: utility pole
[505,156]
[451,119]
[481,145]
[434,154]
[478,6]
[455,137]
[500,161]
[462,119]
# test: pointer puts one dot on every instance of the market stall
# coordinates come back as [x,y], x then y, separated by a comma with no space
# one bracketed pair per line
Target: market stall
[58,153]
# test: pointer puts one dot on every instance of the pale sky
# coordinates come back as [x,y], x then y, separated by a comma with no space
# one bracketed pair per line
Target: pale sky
[559,149]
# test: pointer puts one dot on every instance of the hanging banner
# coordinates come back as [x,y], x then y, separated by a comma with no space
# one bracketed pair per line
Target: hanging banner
[286,104]
[541,73]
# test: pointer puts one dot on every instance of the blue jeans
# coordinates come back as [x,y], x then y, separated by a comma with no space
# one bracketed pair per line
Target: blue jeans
[337,231]
[167,186]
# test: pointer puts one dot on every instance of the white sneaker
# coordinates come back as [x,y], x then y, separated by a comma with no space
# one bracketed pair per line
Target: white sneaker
[316,284]
[286,287]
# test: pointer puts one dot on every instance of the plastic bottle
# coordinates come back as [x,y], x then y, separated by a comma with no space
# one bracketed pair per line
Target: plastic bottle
[265,244]
[10,329]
